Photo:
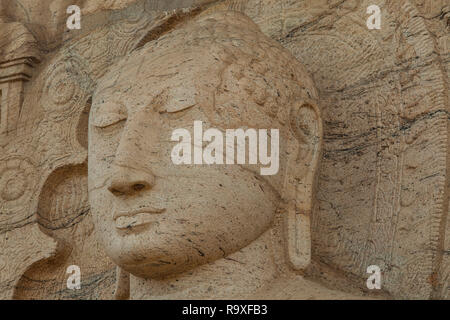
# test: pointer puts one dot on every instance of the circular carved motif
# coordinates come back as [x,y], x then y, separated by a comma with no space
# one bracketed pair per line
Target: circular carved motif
[16,177]
[63,91]
[14,183]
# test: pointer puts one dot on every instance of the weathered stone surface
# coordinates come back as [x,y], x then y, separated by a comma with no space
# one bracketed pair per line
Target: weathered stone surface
[381,190]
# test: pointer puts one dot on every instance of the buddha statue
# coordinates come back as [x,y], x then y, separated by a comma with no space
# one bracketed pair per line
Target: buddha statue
[213,230]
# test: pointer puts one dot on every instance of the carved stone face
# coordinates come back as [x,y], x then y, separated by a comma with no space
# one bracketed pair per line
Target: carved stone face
[155,218]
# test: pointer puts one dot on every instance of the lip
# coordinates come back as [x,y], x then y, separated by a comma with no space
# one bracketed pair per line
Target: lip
[131,213]
[136,218]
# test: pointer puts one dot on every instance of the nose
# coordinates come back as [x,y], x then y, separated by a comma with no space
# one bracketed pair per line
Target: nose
[129,181]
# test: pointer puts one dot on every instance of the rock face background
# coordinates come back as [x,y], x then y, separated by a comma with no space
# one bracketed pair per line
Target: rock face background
[383,184]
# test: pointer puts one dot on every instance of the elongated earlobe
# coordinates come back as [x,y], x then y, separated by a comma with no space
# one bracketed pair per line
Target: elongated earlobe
[306,125]
[298,229]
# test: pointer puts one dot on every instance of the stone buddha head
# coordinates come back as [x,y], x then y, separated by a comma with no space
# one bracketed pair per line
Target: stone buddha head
[156,218]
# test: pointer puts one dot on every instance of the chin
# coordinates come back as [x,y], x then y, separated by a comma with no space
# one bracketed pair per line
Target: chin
[154,273]
[155,268]
[150,260]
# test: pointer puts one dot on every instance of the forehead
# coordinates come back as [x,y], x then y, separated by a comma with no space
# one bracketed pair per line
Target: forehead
[153,69]
[170,74]
[180,77]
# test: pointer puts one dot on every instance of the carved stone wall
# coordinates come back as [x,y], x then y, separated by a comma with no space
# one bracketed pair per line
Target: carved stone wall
[383,181]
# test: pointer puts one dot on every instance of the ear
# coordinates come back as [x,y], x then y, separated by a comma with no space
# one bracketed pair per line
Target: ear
[306,125]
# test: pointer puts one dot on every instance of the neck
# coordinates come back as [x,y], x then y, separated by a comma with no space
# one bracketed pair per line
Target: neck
[239,274]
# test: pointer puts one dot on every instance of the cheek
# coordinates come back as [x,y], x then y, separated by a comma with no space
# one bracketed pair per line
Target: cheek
[235,206]
[101,209]
[255,210]
[103,143]
[256,207]
[101,155]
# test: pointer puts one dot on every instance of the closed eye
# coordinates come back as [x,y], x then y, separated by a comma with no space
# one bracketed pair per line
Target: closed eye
[177,114]
[105,120]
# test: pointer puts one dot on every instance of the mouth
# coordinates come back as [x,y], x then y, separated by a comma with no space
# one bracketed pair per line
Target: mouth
[135,218]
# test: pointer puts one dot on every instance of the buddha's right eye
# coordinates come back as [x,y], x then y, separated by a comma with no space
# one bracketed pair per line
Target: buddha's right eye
[108,119]
[108,115]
